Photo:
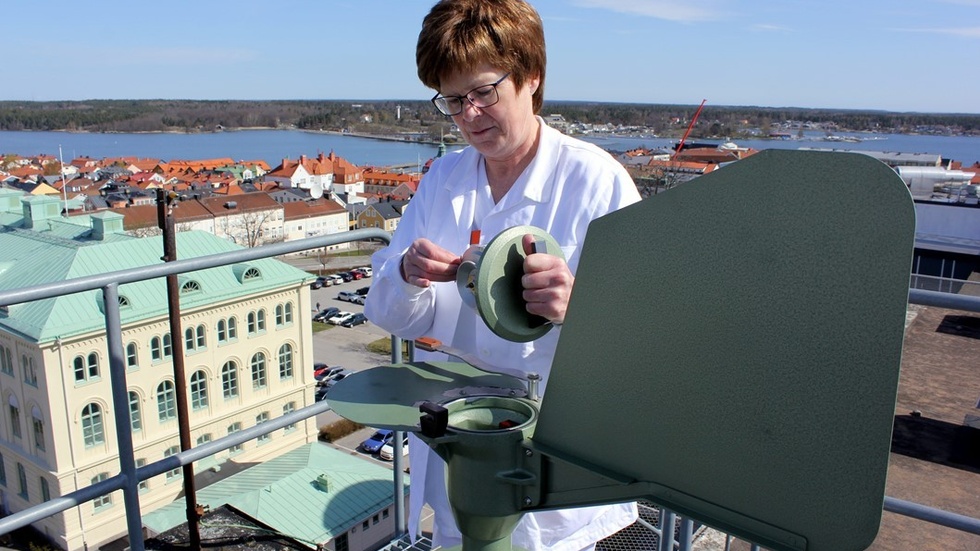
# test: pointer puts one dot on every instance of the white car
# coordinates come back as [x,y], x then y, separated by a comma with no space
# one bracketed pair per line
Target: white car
[365,270]
[339,317]
[387,451]
[335,279]
[350,296]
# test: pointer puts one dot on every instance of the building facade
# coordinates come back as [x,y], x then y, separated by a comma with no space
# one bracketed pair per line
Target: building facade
[245,342]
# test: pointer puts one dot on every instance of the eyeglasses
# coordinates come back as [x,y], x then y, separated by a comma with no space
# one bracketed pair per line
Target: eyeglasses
[480,97]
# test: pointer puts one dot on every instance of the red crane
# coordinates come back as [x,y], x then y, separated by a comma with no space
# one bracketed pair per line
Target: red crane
[694,119]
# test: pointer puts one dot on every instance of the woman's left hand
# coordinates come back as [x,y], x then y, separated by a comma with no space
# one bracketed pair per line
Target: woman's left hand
[547,283]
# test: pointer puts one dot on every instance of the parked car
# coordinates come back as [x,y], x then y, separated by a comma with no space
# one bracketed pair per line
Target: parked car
[346,276]
[323,315]
[349,296]
[317,283]
[320,393]
[327,372]
[339,317]
[363,291]
[328,383]
[335,279]
[387,452]
[377,440]
[357,319]
[364,270]
[356,275]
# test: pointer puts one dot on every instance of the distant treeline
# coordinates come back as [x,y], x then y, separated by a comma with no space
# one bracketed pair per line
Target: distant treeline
[419,116]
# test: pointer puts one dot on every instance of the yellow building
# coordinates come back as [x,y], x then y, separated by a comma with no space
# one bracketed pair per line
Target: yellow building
[246,351]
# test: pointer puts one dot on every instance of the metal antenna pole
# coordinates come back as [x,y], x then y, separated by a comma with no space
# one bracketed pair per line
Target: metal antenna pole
[166,221]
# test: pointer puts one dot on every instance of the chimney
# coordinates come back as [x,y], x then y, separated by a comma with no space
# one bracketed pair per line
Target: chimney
[40,208]
[105,224]
[10,200]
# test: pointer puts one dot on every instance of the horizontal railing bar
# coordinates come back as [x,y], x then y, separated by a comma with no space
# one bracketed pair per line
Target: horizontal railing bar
[959,522]
[130,275]
[944,300]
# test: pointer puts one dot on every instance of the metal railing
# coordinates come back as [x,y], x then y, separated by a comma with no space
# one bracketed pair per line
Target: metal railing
[130,476]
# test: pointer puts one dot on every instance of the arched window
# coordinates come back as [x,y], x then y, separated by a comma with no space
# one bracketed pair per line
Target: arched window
[201,336]
[86,367]
[172,474]
[37,422]
[232,328]
[93,431]
[258,370]
[222,331]
[250,322]
[251,273]
[259,419]
[166,401]
[144,484]
[229,380]
[15,417]
[132,356]
[168,346]
[232,429]
[288,407]
[27,366]
[6,366]
[92,365]
[156,349]
[280,315]
[289,312]
[190,287]
[22,481]
[135,417]
[189,345]
[199,390]
[105,500]
[260,320]
[285,361]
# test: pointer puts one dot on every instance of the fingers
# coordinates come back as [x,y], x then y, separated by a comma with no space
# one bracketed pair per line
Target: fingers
[547,283]
[425,263]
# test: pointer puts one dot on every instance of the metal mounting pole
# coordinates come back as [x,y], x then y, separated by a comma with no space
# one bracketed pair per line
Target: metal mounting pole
[166,221]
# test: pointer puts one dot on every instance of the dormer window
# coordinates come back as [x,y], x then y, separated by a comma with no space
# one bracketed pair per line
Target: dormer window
[245,273]
[122,300]
[190,286]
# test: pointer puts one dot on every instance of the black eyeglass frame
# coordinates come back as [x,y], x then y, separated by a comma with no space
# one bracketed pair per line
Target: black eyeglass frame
[496,97]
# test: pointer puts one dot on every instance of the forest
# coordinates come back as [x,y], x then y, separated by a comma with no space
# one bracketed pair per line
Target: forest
[417,116]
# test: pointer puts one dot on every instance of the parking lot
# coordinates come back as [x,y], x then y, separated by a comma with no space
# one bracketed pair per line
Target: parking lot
[344,346]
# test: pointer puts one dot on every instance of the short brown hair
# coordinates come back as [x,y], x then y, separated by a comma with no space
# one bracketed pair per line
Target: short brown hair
[460,35]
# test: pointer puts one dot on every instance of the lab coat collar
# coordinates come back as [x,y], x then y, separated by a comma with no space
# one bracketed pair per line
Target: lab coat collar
[536,184]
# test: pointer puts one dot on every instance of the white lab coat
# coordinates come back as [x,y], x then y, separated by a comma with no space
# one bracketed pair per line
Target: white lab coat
[568,184]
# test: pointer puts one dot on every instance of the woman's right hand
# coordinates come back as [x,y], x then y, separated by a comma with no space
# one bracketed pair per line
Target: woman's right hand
[425,263]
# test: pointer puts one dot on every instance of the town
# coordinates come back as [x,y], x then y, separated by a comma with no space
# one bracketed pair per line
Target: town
[246,326]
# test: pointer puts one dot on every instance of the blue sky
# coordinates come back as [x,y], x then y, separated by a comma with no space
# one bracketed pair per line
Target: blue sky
[895,55]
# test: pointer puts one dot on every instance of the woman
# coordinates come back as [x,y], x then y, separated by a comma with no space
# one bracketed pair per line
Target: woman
[486,60]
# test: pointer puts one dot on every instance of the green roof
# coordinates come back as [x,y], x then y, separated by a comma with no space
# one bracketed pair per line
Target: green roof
[59,249]
[283,493]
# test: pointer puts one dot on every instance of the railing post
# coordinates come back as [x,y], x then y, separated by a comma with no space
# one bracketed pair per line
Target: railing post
[686,539]
[120,409]
[667,520]
[401,523]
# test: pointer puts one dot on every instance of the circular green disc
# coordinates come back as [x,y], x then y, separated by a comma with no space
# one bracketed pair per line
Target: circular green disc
[498,285]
